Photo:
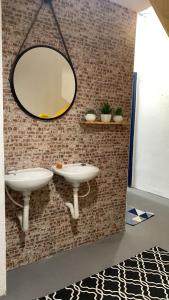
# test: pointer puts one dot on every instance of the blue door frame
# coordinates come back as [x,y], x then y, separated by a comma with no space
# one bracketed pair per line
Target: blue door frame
[133,113]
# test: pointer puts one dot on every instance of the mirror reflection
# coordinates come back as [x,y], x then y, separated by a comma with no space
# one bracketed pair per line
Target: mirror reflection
[43,82]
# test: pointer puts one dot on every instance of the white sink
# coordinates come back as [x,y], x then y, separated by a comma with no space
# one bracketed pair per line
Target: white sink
[77,173]
[28,179]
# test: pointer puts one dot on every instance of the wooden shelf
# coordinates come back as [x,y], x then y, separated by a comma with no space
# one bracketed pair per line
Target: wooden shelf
[123,123]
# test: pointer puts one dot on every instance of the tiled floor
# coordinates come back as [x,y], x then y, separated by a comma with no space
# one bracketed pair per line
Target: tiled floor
[39,279]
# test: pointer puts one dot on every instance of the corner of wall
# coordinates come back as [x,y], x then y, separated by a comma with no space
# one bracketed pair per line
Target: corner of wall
[2,189]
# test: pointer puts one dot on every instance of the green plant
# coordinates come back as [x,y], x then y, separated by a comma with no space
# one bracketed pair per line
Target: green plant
[106,109]
[119,111]
[90,111]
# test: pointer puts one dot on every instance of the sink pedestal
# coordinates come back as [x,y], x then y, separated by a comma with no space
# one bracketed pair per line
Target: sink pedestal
[24,216]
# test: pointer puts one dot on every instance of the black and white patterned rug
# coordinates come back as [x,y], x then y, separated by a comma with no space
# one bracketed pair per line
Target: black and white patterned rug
[145,276]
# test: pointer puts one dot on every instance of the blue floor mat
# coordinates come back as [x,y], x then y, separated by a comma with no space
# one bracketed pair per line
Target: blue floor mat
[135,216]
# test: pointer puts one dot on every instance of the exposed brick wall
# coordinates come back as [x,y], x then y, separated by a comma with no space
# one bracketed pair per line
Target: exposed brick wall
[100,38]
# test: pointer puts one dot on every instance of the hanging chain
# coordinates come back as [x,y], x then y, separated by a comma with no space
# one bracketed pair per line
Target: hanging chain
[30,28]
[56,24]
[59,29]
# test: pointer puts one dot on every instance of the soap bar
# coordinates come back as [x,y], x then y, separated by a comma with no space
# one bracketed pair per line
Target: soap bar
[59,165]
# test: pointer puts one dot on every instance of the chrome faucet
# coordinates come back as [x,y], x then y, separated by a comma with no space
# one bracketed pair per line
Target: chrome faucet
[6,170]
[9,172]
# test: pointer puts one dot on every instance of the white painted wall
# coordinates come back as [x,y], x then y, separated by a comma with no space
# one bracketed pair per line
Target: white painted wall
[2,193]
[151,151]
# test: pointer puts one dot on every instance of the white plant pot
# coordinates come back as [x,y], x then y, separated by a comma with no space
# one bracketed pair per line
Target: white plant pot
[106,117]
[90,117]
[117,118]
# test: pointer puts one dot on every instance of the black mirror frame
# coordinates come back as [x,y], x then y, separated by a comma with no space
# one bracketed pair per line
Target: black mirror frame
[13,88]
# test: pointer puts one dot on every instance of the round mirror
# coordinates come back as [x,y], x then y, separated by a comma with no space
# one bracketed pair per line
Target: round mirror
[43,82]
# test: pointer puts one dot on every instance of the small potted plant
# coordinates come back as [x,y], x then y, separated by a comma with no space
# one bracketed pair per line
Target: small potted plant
[90,115]
[106,112]
[118,115]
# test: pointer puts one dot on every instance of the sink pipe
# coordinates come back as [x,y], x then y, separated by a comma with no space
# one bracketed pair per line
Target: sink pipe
[74,208]
[24,215]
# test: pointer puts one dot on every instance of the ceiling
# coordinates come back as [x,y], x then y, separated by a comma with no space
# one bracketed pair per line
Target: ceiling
[136,5]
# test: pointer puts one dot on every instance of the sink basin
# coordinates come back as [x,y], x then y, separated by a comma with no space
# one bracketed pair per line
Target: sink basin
[28,179]
[77,173]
